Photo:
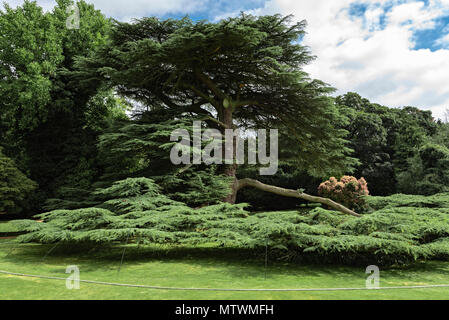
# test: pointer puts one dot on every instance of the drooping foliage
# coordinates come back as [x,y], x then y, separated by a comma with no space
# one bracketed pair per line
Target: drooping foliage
[440,200]
[403,229]
[142,148]
[131,209]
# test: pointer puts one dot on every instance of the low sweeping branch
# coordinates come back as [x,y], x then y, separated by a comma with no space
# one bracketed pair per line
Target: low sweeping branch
[294,194]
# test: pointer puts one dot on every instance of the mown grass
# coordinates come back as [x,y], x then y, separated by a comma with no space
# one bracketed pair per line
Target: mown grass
[204,268]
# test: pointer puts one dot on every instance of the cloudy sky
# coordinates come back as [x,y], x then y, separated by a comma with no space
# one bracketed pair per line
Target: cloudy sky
[394,52]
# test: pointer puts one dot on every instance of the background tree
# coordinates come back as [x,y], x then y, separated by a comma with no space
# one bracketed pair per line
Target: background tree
[368,136]
[385,140]
[48,123]
[427,172]
[15,187]
[30,52]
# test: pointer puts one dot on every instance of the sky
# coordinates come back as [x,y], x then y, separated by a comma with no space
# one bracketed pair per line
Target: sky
[393,52]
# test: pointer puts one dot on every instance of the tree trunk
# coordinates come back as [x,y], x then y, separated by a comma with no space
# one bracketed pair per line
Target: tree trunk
[230,170]
[293,194]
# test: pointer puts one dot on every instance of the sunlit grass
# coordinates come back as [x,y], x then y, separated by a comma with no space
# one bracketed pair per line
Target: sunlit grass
[199,268]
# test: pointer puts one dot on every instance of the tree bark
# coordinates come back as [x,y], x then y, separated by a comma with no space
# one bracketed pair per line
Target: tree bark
[231,172]
[230,169]
[293,194]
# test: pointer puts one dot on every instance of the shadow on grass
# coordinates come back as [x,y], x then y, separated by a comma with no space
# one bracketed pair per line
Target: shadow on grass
[235,263]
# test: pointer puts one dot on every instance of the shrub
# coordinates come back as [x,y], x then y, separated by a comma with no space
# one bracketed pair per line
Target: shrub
[348,191]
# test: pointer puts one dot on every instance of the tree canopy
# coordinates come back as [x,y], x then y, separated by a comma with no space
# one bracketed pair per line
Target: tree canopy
[244,72]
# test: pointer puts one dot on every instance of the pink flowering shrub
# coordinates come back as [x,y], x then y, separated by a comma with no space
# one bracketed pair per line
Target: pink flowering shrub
[348,191]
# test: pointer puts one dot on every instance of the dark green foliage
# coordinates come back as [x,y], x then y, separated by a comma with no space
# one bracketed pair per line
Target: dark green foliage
[371,133]
[130,147]
[400,232]
[15,187]
[428,171]
[385,140]
[142,148]
[441,137]
[402,200]
[48,122]
[196,187]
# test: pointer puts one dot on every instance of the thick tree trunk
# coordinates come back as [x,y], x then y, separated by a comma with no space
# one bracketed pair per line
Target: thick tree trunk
[293,194]
[230,170]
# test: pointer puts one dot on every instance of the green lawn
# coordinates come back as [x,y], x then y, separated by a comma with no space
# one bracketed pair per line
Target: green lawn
[197,268]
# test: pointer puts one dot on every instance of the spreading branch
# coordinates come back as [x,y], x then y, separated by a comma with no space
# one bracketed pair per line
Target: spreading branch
[294,194]
[210,84]
[212,119]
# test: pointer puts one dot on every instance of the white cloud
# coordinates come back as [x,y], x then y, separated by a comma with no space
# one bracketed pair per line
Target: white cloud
[47,5]
[357,54]
[138,8]
[414,14]
[372,17]
[443,41]
[125,9]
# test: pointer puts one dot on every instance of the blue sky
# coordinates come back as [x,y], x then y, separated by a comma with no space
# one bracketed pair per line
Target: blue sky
[394,52]
[424,38]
